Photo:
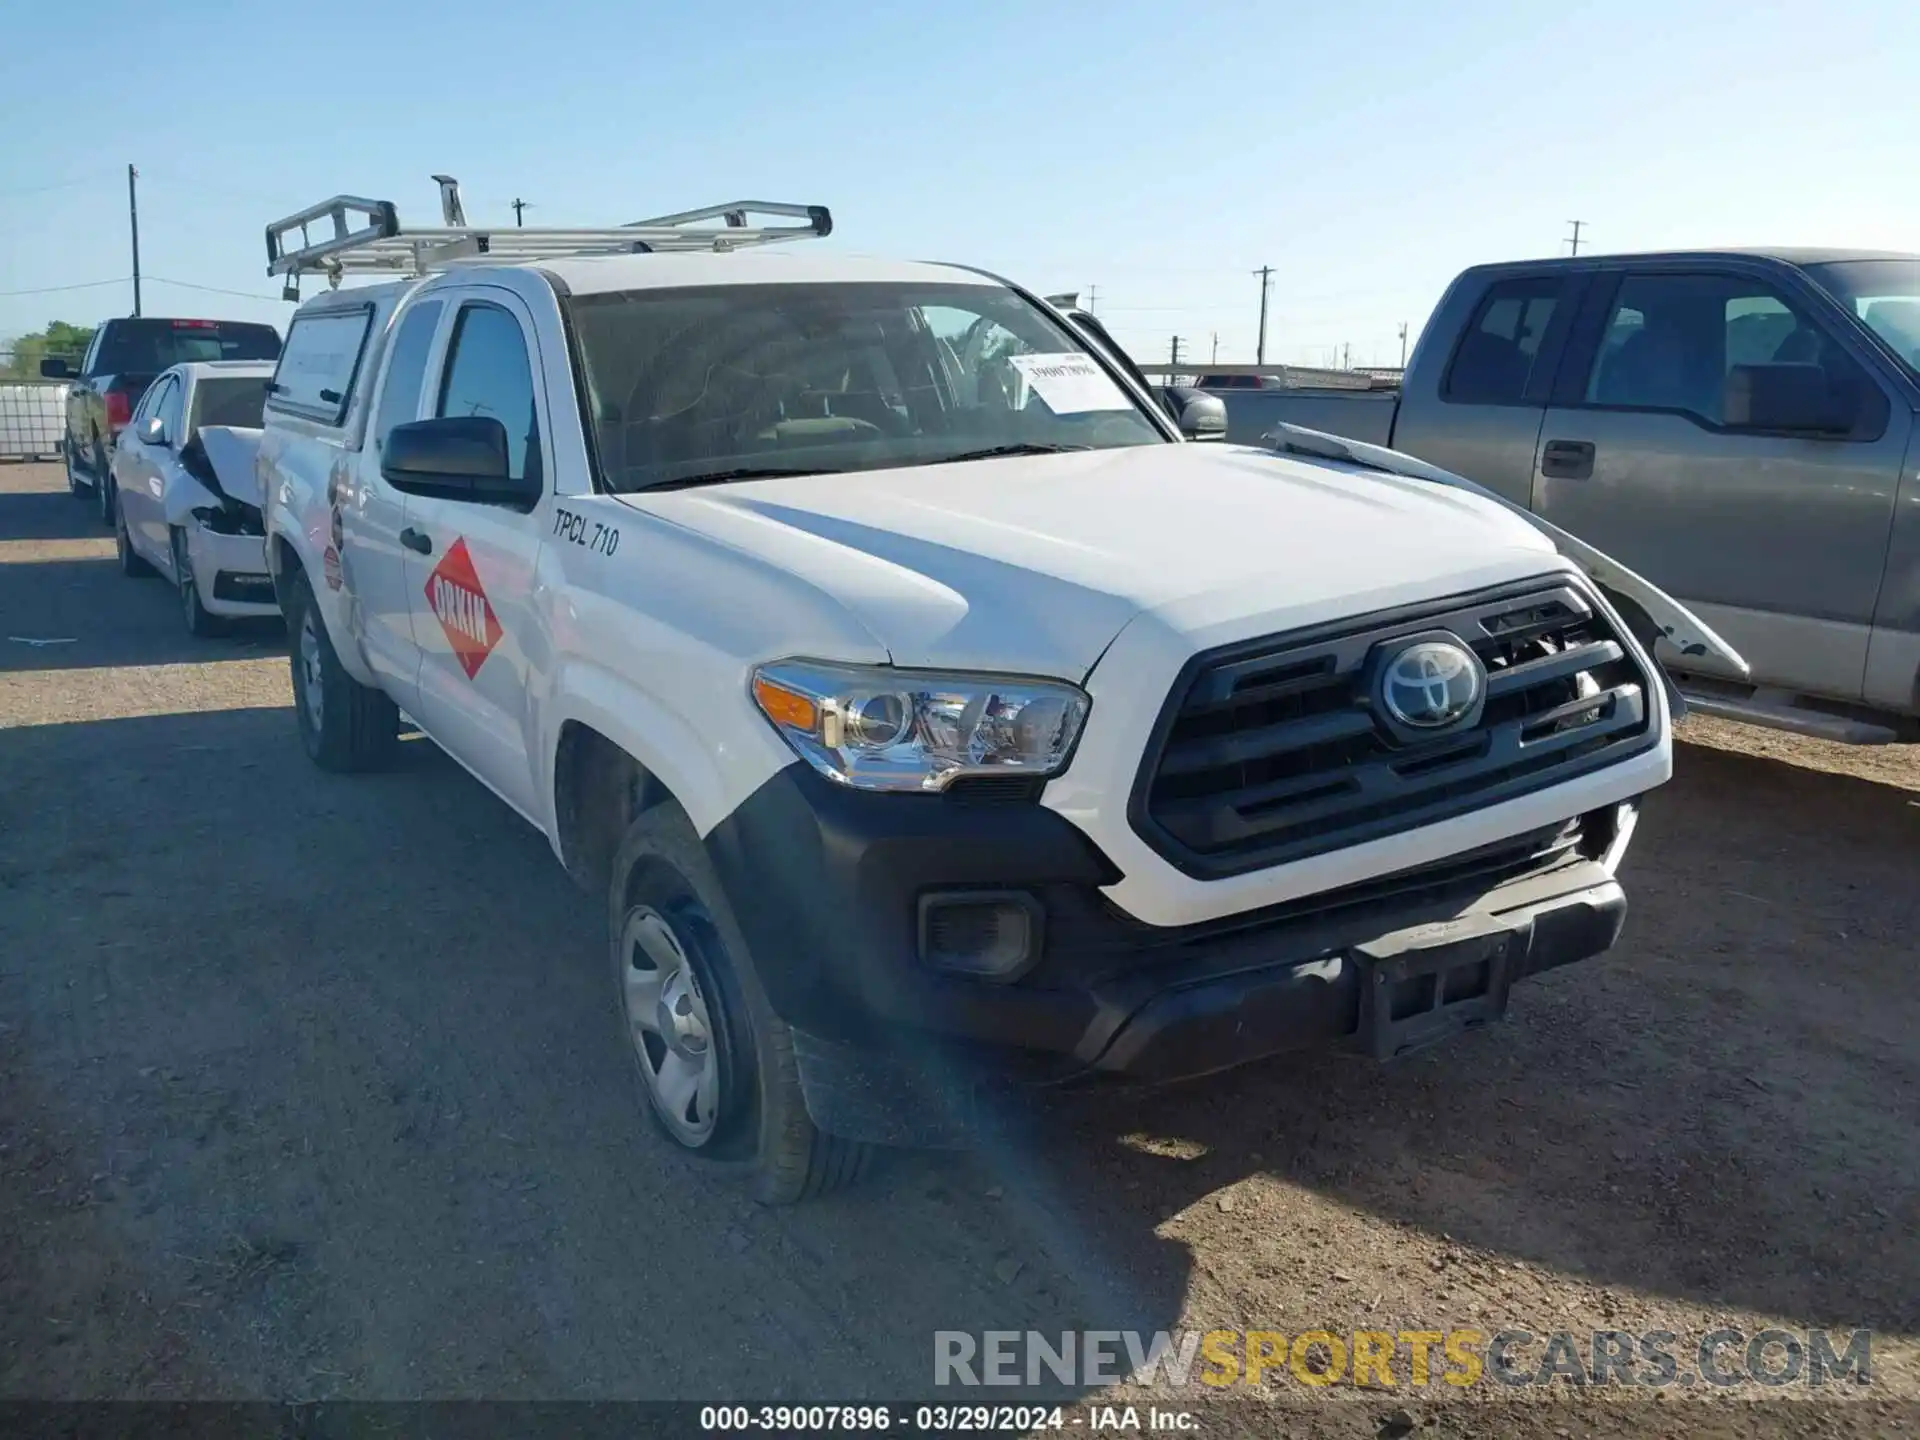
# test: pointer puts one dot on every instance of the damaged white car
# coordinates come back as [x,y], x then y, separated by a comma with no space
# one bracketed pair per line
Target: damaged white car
[185,499]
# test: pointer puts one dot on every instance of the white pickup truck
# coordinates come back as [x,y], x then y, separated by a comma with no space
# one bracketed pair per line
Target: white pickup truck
[927,713]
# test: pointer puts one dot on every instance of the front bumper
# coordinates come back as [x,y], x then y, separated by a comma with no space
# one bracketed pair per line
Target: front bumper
[826,883]
[231,571]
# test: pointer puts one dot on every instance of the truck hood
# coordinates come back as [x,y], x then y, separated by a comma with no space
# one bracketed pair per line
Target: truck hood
[1035,564]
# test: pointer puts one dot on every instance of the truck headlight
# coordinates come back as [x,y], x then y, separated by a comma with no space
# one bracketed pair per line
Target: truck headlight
[878,728]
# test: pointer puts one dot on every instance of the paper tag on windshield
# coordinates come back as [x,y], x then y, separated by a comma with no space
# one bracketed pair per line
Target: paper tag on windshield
[1070,384]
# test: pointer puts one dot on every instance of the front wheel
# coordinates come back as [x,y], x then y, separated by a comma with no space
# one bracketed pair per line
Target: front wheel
[344,725]
[129,558]
[715,1064]
[200,620]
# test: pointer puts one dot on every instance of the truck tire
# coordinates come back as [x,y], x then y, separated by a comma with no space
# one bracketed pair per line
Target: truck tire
[74,487]
[344,725]
[713,1062]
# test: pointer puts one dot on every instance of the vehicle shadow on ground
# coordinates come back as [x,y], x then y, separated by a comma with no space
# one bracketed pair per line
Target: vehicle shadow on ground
[1720,1112]
[49,515]
[341,1058]
[81,614]
[337,1058]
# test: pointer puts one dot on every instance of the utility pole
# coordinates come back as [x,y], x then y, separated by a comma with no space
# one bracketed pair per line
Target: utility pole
[1265,272]
[133,222]
[518,206]
[1175,360]
[1093,295]
[1576,234]
[1216,349]
[1346,356]
[1403,344]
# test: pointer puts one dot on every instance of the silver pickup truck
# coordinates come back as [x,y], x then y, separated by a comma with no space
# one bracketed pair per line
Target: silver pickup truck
[1737,426]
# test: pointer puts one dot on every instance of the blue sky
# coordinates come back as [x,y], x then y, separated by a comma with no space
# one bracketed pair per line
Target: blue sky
[1159,153]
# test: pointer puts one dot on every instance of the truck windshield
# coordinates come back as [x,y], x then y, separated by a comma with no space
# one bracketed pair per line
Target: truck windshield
[732,381]
[1885,294]
[143,346]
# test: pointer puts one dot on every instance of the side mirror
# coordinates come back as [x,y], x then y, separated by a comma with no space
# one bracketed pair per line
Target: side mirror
[1199,415]
[54,368]
[154,432]
[1789,399]
[456,457]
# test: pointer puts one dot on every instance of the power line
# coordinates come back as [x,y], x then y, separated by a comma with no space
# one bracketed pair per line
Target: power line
[100,179]
[57,289]
[211,289]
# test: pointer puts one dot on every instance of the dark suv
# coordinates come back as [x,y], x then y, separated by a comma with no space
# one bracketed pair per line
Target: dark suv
[124,358]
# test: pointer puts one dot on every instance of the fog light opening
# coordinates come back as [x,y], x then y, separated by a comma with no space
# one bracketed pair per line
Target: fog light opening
[988,934]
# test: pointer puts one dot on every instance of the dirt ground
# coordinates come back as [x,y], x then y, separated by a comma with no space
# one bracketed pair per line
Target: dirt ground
[310,1088]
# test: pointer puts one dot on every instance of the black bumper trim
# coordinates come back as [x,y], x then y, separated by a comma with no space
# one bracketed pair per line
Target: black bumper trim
[1197,1029]
[825,883]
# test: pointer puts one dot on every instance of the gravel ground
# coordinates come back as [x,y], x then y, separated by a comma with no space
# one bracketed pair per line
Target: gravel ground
[310,1088]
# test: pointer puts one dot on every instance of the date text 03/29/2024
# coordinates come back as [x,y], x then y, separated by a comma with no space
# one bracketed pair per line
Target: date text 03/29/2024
[944,1419]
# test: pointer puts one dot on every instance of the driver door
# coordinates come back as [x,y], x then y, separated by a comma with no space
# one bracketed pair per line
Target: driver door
[1778,541]
[470,565]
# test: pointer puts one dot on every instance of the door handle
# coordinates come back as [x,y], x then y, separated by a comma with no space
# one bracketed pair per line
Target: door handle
[1567,460]
[416,540]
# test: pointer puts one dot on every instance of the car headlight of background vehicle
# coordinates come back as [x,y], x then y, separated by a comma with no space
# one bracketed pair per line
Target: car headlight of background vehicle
[878,728]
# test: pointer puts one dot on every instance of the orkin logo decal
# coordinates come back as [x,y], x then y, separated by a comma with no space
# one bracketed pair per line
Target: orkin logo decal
[460,603]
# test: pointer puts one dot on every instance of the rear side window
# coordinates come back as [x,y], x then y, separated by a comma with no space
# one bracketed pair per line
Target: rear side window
[140,347]
[316,370]
[407,370]
[1496,357]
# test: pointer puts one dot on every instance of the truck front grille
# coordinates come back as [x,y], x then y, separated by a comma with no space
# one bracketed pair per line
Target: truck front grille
[1276,749]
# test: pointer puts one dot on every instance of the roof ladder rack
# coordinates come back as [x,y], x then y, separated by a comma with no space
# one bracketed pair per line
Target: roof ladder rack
[351,235]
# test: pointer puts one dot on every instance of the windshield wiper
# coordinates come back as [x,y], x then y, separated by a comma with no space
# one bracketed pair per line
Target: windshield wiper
[1020,448]
[740,472]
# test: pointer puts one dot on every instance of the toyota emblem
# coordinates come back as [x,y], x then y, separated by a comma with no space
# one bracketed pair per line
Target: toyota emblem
[1432,684]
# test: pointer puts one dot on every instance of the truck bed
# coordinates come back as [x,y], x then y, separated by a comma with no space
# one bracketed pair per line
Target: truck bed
[1354,414]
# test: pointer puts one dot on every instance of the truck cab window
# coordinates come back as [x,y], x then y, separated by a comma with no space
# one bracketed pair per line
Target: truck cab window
[1496,356]
[407,369]
[1674,342]
[487,373]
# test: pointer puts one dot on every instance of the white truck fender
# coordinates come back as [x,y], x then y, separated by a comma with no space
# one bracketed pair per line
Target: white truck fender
[298,514]
[708,773]
[1687,632]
